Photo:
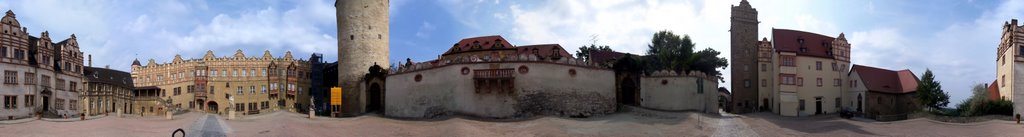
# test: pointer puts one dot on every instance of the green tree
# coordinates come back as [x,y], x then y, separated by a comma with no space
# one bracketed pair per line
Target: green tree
[971,106]
[707,61]
[584,52]
[669,51]
[929,92]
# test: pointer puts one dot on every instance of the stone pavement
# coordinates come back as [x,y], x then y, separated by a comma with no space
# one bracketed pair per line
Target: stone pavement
[730,125]
[208,126]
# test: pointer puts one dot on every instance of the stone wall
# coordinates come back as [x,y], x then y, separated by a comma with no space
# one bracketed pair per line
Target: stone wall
[538,88]
[679,92]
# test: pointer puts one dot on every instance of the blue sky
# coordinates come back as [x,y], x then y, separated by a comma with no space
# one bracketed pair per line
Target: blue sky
[955,38]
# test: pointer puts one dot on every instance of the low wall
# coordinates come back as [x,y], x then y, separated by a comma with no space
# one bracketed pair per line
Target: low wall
[679,93]
[537,88]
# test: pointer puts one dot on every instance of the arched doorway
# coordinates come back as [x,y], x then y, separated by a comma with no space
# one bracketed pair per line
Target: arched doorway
[627,91]
[211,107]
[374,101]
[46,100]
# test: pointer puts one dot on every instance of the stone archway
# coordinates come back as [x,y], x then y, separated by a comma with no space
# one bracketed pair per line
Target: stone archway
[374,98]
[211,107]
[628,91]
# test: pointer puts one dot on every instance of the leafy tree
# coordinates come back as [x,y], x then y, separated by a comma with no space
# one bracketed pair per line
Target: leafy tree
[672,52]
[979,104]
[707,61]
[669,51]
[929,92]
[629,63]
[584,52]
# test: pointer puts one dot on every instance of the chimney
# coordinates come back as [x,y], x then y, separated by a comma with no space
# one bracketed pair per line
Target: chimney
[1014,22]
[90,60]
[107,67]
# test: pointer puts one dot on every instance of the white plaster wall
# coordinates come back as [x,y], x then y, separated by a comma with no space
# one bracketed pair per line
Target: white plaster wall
[850,97]
[446,90]
[679,93]
[1018,91]
[19,90]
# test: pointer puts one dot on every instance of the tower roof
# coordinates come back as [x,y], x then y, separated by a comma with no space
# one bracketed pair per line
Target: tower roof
[136,63]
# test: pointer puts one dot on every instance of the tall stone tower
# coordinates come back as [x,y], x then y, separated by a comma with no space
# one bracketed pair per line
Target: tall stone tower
[743,61]
[362,42]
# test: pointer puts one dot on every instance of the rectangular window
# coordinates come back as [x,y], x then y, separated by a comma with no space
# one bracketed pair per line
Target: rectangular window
[30,100]
[764,83]
[835,67]
[788,61]
[837,82]
[10,77]
[240,91]
[263,89]
[252,89]
[799,81]
[10,102]
[211,91]
[264,72]
[801,105]
[746,83]
[239,107]
[73,86]
[819,82]
[224,73]
[3,52]
[72,105]
[817,65]
[46,81]
[764,67]
[787,79]
[30,78]
[19,54]
[60,84]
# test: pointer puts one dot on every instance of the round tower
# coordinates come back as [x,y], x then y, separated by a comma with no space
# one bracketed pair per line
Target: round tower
[362,42]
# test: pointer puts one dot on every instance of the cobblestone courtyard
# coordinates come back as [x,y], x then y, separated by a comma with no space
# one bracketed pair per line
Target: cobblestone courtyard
[635,123]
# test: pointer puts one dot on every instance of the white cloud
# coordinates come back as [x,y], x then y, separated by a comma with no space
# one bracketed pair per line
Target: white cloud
[425,30]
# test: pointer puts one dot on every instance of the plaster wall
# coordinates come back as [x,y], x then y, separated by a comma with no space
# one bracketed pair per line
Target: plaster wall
[544,88]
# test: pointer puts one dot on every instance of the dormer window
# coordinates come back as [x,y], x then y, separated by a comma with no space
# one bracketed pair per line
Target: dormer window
[800,40]
[803,49]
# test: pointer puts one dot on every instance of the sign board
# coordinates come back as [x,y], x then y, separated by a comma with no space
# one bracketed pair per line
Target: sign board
[336,96]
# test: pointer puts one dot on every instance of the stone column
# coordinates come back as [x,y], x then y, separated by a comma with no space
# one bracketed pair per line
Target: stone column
[170,114]
[119,111]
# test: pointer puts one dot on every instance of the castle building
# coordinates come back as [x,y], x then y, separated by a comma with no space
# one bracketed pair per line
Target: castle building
[40,76]
[106,91]
[743,60]
[489,77]
[1010,65]
[362,43]
[257,84]
[802,73]
[881,94]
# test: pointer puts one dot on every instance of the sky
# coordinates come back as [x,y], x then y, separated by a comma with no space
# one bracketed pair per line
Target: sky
[956,39]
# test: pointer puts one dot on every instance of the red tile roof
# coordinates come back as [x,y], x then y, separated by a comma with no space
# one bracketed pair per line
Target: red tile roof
[486,43]
[816,45]
[886,81]
[993,90]
[604,56]
[545,50]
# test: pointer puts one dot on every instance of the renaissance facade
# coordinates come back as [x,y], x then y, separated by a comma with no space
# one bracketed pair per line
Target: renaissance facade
[40,76]
[106,91]
[256,84]
[1010,65]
